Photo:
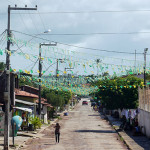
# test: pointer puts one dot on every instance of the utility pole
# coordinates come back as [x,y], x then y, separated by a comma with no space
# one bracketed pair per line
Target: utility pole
[145,51]
[68,74]
[97,61]
[57,70]
[7,84]
[40,73]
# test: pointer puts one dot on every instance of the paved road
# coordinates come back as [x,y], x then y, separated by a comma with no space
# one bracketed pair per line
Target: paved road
[82,129]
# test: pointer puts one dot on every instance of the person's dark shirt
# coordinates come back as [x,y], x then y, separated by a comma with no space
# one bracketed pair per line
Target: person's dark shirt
[57,129]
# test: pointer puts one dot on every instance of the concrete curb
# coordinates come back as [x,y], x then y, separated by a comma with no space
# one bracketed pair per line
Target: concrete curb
[131,144]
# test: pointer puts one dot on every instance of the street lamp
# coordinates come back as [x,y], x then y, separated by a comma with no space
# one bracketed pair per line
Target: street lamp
[47,31]
[40,74]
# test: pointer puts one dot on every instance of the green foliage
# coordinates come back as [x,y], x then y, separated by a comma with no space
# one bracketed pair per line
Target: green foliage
[119,92]
[2,66]
[56,98]
[23,81]
[148,76]
[36,122]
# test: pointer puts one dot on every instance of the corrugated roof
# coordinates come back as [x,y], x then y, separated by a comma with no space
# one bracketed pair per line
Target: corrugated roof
[24,109]
[24,93]
[42,102]
[24,102]
[31,87]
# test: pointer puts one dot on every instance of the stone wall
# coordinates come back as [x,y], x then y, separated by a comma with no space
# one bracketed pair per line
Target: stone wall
[144,98]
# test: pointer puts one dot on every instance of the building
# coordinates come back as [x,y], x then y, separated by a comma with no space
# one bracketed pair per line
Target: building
[44,105]
[144,110]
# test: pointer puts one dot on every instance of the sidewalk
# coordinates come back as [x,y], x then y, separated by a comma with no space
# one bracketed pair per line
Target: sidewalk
[22,137]
[133,142]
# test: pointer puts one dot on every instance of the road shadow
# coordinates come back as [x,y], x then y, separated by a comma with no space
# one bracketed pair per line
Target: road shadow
[93,115]
[49,144]
[96,131]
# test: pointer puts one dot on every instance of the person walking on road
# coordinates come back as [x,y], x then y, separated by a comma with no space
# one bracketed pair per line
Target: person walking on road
[57,132]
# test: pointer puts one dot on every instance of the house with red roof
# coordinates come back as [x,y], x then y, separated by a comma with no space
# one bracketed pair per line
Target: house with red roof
[30,94]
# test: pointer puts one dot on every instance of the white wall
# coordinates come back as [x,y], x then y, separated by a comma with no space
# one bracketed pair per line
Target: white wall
[45,113]
[144,120]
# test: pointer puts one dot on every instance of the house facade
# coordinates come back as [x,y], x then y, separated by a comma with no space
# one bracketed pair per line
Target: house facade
[44,104]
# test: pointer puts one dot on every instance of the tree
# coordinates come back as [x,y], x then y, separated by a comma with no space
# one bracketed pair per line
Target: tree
[24,81]
[2,66]
[56,98]
[119,92]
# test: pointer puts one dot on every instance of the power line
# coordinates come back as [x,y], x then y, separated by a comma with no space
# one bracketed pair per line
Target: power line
[100,33]
[82,12]
[94,49]
[96,33]
[3,32]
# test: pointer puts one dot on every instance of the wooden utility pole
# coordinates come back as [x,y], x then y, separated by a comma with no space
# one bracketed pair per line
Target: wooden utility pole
[7,84]
[40,70]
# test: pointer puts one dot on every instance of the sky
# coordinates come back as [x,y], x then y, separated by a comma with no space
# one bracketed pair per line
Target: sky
[85,17]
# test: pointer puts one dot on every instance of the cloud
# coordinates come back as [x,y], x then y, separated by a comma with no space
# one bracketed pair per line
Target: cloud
[84,23]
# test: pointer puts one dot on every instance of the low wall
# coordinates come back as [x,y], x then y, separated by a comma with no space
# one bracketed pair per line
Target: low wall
[144,120]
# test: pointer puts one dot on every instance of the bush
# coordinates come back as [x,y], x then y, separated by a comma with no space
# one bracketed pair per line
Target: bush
[36,122]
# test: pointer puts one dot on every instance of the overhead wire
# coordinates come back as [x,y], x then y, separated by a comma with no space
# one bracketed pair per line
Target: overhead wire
[95,49]
[99,11]
[41,19]
[22,51]
[29,15]
[89,54]
[24,23]
[87,60]
[99,33]
[3,34]
[2,42]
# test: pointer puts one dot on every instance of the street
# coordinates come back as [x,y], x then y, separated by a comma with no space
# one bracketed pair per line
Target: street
[82,129]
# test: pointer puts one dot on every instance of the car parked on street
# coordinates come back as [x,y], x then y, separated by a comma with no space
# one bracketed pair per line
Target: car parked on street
[91,100]
[84,103]
[93,104]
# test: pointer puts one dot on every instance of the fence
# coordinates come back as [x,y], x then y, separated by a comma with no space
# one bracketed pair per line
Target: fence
[144,98]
